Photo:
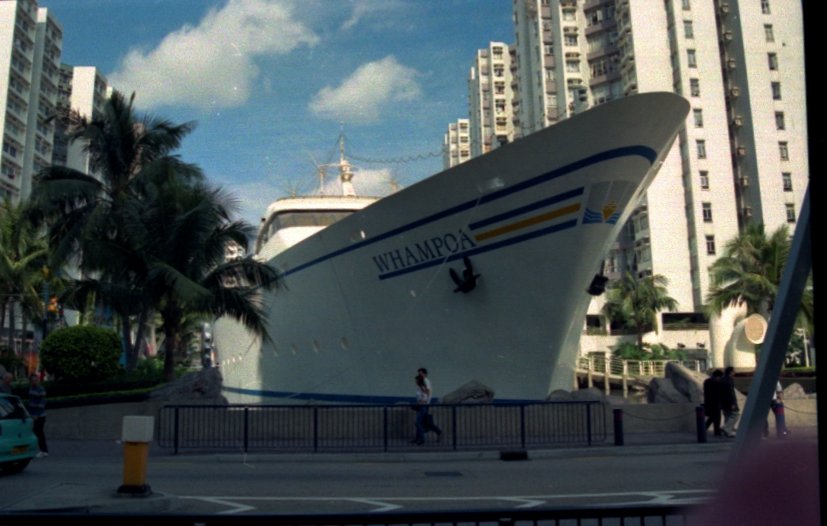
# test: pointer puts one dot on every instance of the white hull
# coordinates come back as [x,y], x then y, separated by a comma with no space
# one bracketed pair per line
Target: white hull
[369,299]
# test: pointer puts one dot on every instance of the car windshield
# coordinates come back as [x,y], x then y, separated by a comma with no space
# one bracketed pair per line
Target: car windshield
[11,408]
[372,257]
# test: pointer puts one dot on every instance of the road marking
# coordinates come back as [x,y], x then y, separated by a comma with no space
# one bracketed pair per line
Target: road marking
[383,504]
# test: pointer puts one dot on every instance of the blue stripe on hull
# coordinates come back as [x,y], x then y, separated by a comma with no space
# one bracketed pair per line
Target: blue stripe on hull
[343,398]
[642,151]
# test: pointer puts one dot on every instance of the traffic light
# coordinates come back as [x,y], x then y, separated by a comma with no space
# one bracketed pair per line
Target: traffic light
[53,306]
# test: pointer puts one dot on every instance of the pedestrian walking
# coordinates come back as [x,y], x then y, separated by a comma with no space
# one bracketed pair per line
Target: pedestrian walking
[729,403]
[36,404]
[777,408]
[424,420]
[712,401]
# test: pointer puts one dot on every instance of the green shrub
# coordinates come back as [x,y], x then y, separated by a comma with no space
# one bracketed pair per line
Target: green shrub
[9,359]
[81,354]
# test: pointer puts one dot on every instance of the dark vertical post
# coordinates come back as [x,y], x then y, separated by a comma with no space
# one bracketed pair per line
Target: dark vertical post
[700,426]
[589,422]
[315,429]
[454,426]
[618,420]
[385,427]
[246,428]
[522,426]
[175,428]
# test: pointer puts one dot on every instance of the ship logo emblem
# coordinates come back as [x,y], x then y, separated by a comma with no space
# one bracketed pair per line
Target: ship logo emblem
[608,214]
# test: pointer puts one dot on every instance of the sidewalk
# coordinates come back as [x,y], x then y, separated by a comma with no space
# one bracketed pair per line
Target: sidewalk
[80,498]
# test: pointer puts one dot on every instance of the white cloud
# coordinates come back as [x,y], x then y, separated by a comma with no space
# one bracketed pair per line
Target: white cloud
[367,92]
[211,66]
[368,8]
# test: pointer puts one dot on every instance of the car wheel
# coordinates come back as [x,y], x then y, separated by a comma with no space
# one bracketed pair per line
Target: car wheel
[15,467]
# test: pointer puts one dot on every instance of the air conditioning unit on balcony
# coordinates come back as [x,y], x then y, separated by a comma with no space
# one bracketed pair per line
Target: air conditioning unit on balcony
[735,91]
[724,8]
[744,181]
[747,212]
[731,63]
[728,36]
[738,121]
[741,151]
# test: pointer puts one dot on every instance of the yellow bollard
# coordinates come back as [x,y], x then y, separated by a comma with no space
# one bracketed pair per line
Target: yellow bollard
[136,436]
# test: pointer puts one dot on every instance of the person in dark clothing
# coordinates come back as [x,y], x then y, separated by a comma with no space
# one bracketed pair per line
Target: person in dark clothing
[712,402]
[36,405]
[729,403]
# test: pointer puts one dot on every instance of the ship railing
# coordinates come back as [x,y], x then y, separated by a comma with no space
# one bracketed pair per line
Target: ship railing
[380,428]
[633,368]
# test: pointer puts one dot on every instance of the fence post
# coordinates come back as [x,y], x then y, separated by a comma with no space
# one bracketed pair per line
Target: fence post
[522,426]
[315,429]
[589,422]
[246,429]
[625,379]
[175,427]
[607,368]
[385,426]
[618,421]
[454,426]
[700,425]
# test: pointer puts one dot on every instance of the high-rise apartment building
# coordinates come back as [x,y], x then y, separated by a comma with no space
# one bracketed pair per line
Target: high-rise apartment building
[30,49]
[490,99]
[456,147]
[742,156]
[84,90]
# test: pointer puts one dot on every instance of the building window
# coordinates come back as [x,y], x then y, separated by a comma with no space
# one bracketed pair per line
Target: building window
[765,7]
[783,151]
[572,66]
[776,90]
[701,146]
[570,40]
[704,180]
[685,5]
[768,34]
[691,59]
[710,245]
[687,29]
[787,181]
[779,120]
[790,212]
[695,87]
[698,116]
[772,60]
[706,211]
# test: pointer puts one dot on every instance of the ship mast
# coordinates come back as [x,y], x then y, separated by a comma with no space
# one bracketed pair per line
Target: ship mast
[345,171]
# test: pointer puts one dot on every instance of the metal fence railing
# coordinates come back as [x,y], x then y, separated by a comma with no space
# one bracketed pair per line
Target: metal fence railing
[328,428]
[621,367]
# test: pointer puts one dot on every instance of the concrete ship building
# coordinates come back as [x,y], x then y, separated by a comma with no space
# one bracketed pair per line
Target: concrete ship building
[741,157]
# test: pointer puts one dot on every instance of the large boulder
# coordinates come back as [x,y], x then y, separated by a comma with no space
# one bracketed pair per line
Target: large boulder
[689,383]
[662,390]
[202,386]
[794,392]
[471,393]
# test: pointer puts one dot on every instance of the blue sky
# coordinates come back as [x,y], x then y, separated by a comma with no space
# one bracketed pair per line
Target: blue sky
[269,81]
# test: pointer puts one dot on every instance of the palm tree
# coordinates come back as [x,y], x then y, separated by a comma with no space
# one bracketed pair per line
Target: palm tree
[182,237]
[637,301]
[85,213]
[23,254]
[749,273]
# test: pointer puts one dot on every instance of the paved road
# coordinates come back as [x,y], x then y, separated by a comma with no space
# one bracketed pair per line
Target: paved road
[85,475]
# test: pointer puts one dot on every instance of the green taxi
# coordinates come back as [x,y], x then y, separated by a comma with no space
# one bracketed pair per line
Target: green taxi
[18,444]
